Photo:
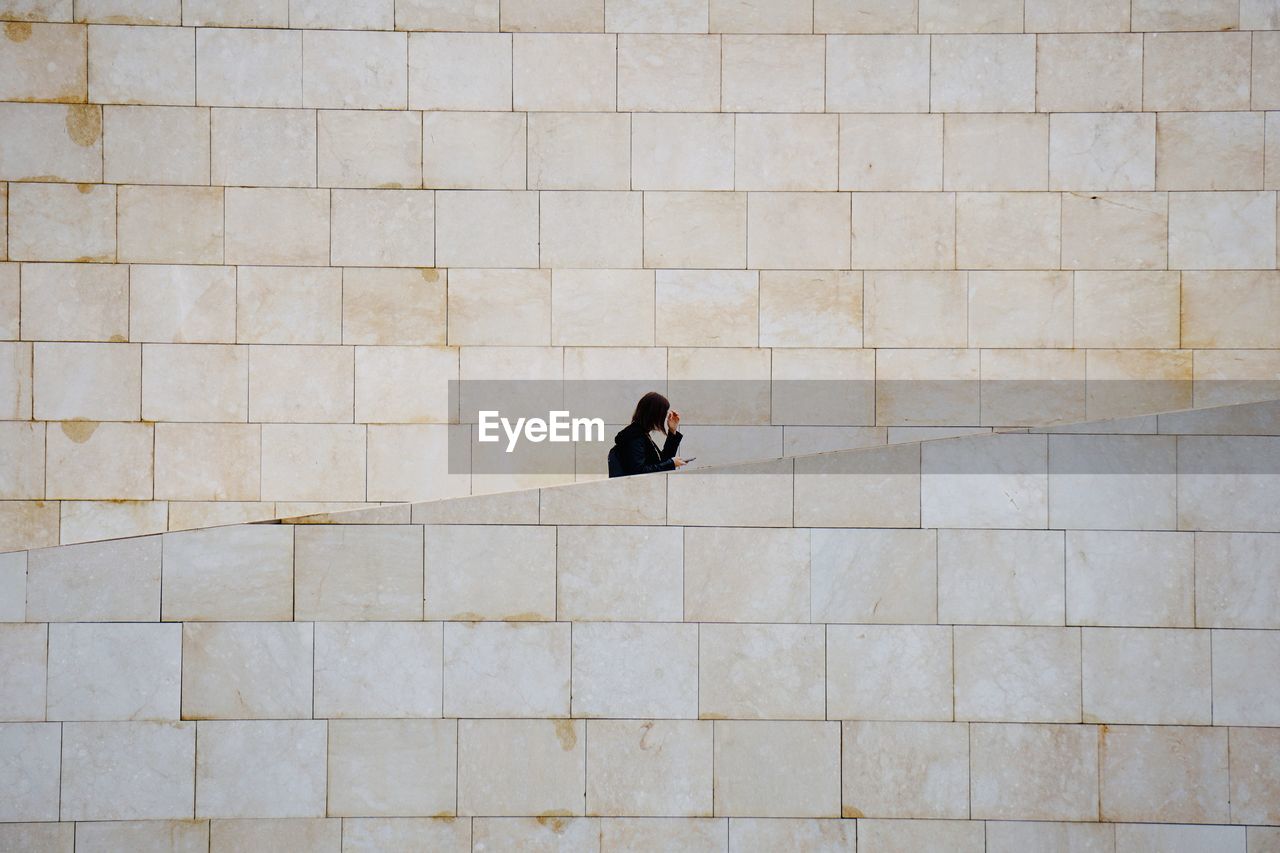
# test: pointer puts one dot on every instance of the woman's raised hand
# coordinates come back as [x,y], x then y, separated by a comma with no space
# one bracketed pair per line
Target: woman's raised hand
[673,421]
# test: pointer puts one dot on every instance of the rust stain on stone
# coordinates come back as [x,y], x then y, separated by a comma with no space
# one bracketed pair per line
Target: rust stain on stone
[84,189]
[79,431]
[524,617]
[566,734]
[429,274]
[554,819]
[850,811]
[712,716]
[117,339]
[84,124]
[17,30]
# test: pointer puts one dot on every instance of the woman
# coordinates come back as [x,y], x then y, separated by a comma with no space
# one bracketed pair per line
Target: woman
[634,450]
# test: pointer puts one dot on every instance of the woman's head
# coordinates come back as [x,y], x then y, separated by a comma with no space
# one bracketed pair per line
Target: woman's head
[651,411]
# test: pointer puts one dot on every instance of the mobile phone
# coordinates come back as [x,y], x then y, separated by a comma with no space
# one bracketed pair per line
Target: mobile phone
[690,459]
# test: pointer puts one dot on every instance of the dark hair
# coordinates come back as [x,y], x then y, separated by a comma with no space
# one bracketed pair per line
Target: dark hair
[651,411]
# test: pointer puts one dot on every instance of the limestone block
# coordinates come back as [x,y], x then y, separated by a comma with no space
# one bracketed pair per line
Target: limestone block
[114,672]
[171,224]
[825,835]
[249,68]
[51,142]
[142,65]
[1145,837]
[156,145]
[891,152]
[772,73]
[360,572]
[410,462]
[1221,484]
[1195,71]
[473,150]
[446,15]
[1012,309]
[261,768]
[1239,696]
[628,501]
[873,488]
[798,230]
[584,16]
[22,446]
[970,16]
[1008,836]
[378,669]
[71,583]
[889,672]
[1008,230]
[742,16]
[278,226]
[1163,15]
[985,481]
[178,836]
[896,769]
[317,834]
[564,71]
[87,381]
[127,770]
[229,573]
[29,524]
[1129,578]
[9,287]
[786,152]
[1209,151]
[313,462]
[903,230]
[668,73]
[1036,772]
[332,80]
[796,401]
[369,835]
[537,833]
[877,73]
[491,572]
[983,73]
[75,302]
[1033,386]
[29,765]
[129,11]
[393,307]
[767,580]
[579,151]
[460,71]
[891,836]
[649,768]
[1000,577]
[263,147]
[13,587]
[1259,15]
[761,672]
[38,10]
[1254,775]
[996,152]
[598,577]
[521,767]
[235,13]
[1018,674]
[23,648]
[392,767]
[1163,773]
[1236,580]
[1112,482]
[246,670]
[746,403]
[488,229]
[911,309]
[1114,231]
[383,228]
[84,521]
[288,305]
[1146,675]
[591,229]
[875,576]
[335,15]
[43,62]
[818,309]
[188,515]
[578,298]
[1231,309]
[777,769]
[1088,71]
[635,670]
[1265,83]
[404,384]
[300,384]
[1129,382]
[682,152]
[656,16]
[62,222]
[707,307]
[865,16]
[369,148]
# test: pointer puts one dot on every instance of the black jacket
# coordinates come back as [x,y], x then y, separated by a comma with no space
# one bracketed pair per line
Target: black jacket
[633,452]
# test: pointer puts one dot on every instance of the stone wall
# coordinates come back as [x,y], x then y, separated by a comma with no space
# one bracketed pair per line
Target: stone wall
[246,244]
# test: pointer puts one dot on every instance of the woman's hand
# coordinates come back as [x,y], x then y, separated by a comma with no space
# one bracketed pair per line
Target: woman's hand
[673,421]
[680,463]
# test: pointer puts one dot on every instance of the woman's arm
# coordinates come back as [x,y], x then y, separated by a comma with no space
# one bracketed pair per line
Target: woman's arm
[671,445]
[633,458]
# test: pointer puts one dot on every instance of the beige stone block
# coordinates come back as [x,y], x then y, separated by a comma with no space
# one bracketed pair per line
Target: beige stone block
[43,62]
[277,226]
[649,768]
[1265,83]
[87,382]
[22,449]
[584,16]
[38,10]
[874,488]
[313,462]
[1146,675]
[335,15]
[635,670]
[1000,577]
[460,71]
[777,769]
[331,79]
[392,767]
[579,151]
[69,584]
[24,650]
[249,68]
[473,150]
[188,515]
[1008,230]
[235,13]
[1112,481]
[1089,70]
[748,403]
[446,15]
[903,230]
[864,16]
[31,754]
[29,524]
[591,230]
[1114,231]
[1254,775]
[246,670]
[996,481]
[904,770]
[263,147]
[410,462]
[1034,772]
[564,71]
[579,298]
[177,836]
[1033,386]
[1259,15]
[786,152]
[393,307]
[983,73]
[1048,16]
[142,65]
[358,572]
[1195,71]
[1221,485]
[370,148]
[768,580]
[656,16]
[13,585]
[1163,773]
[757,835]
[1259,836]
[128,11]
[9,287]
[289,305]
[404,384]
[996,152]
[472,572]
[114,672]
[127,770]
[49,142]
[819,309]
[62,222]
[743,16]
[522,299]
[1230,309]
[261,768]
[392,228]
[798,230]
[378,669]
[891,152]
[772,73]
[195,382]
[1240,697]
[800,376]
[970,16]
[1008,836]
[703,230]
[1017,674]
[1129,578]
[171,224]
[300,384]
[487,229]
[664,833]
[537,833]
[1130,382]
[156,145]
[1020,309]
[521,767]
[598,578]
[75,302]
[898,836]
[231,573]
[875,576]
[1209,151]
[1236,583]
[1163,15]
[761,672]
[682,152]
[85,521]
[877,73]
[668,73]
[707,308]
[914,309]
[323,835]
